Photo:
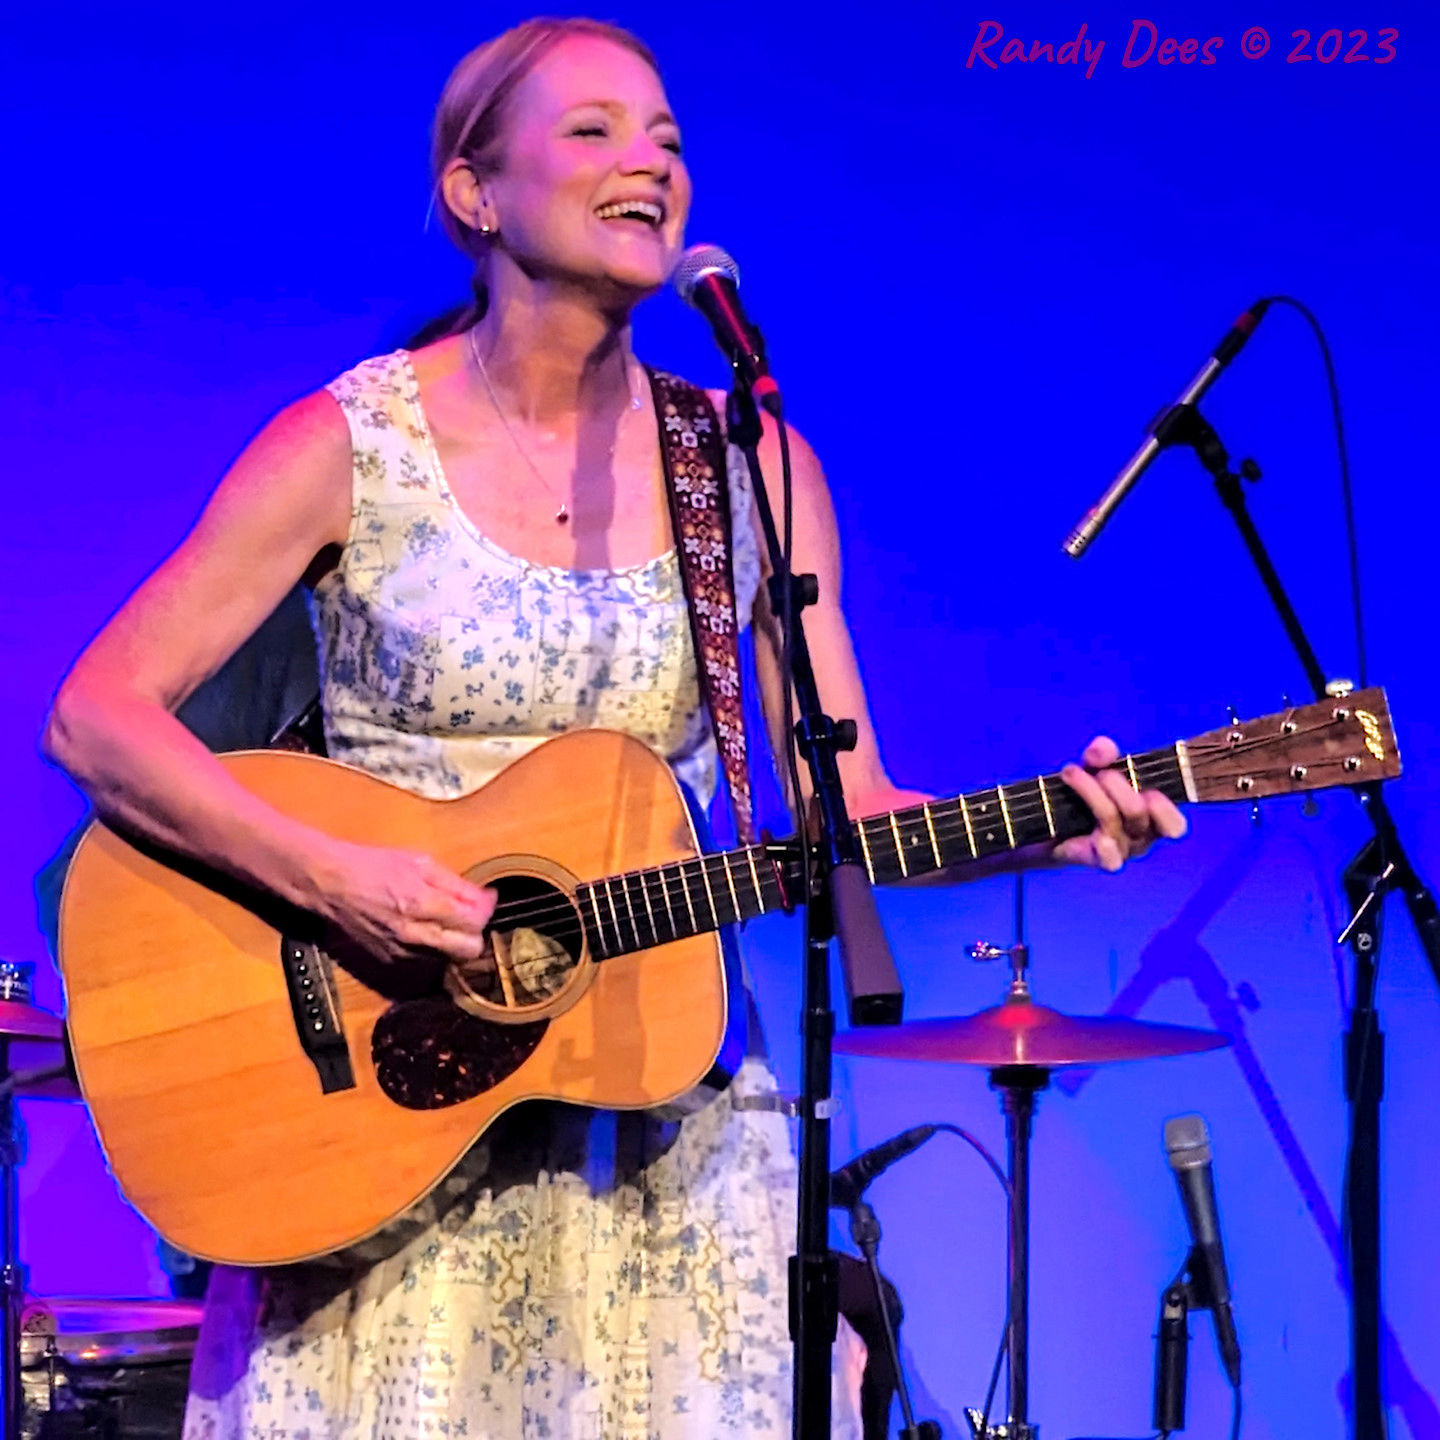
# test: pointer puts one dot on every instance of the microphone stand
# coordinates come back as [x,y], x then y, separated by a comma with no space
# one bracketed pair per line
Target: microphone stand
[1380,866]
[1190,1290]
[840,905]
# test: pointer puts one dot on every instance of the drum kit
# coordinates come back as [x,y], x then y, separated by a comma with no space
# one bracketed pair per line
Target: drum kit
[1020,1042]
[73,1367]
[119,1368]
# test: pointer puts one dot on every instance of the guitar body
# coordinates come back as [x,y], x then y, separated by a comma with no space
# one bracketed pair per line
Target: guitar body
[190,1027]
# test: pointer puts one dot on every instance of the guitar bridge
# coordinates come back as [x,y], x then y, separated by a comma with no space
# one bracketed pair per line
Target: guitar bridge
[315,1005]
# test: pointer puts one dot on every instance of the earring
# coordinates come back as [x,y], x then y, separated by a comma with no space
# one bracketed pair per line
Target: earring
[484,227]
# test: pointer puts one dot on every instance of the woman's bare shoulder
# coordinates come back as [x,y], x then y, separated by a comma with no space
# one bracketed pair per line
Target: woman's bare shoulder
[297,467]
[804,462]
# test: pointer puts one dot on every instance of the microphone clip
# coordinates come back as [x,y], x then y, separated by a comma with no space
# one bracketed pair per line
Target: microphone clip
[1194,1280]
[1183,424]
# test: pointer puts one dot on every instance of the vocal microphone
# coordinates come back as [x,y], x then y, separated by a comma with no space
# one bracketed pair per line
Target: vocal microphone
[851,1180]
[1187,1144]
[1155,441]
[709,279]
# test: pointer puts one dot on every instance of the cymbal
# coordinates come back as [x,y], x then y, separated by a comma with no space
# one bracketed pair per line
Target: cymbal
[107,1332]
[1020,1032]
[51,1081]
[28,1022]
[35,1046]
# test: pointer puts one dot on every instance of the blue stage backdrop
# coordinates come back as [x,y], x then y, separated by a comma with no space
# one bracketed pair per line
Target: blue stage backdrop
[979,282]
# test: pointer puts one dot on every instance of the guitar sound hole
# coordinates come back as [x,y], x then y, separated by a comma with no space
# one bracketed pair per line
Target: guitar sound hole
[535,945]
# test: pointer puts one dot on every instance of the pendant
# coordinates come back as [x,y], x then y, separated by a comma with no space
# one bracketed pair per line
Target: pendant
[562,515]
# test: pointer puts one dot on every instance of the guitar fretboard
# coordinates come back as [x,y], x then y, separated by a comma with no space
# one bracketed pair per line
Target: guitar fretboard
[645,908]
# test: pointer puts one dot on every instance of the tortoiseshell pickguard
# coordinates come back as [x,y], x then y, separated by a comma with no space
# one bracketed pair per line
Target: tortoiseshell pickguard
[429,1054]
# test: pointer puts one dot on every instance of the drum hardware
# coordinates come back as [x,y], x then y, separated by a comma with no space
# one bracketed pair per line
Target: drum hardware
[72,1366]
[1020,1042]
[23,1027]
[112,1368]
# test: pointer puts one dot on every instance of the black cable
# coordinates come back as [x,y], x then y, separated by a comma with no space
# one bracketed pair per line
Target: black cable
[995,1372]
[985,1155]
[1346,490]
[1005,1185]
[1235,1417]
[1361,675]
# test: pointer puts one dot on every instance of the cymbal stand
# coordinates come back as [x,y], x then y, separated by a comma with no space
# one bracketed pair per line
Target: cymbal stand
[1018,1086]
[14,985]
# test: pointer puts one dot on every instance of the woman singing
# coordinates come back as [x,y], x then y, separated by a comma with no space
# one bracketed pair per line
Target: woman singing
[484,527]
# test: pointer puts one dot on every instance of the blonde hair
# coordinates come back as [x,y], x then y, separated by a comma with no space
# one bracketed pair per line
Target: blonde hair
[470,116]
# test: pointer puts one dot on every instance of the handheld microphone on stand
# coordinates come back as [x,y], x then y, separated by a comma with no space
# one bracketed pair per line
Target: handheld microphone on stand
[1203,1284]
[852,1179]
[838,901]
[709,279]
[1160,431]
[1187,1143]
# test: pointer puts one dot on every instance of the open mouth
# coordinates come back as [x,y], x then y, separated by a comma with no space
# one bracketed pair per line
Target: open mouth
[645,212]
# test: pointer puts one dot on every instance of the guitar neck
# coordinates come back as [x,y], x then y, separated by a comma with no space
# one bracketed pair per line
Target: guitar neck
[643,908]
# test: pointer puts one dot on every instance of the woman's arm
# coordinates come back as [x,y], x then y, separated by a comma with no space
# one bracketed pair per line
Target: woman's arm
[816,551]
[1126,823]
[112,729]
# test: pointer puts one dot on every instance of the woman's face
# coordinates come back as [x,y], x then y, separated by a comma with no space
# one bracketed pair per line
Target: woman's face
[591,185]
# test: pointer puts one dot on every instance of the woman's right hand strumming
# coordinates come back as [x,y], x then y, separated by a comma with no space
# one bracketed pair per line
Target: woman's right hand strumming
[403,905]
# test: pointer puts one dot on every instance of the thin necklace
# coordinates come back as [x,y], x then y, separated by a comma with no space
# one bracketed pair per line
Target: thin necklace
[562,515]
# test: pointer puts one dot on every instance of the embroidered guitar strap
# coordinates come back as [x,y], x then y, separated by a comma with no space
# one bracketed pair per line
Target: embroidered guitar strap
[693,451]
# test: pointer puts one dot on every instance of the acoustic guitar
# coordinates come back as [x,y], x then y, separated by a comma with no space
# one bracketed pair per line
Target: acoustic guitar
[263,1096]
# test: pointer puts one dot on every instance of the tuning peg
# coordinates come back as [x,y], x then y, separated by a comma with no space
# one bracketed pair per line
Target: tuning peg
[983,950]
[1339,688]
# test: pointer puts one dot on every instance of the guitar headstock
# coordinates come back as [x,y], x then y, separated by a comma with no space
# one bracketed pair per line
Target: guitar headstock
[1345,741]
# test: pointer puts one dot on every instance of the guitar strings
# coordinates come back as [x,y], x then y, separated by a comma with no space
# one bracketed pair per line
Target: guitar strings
[655,885]
[945,815]
[951,825]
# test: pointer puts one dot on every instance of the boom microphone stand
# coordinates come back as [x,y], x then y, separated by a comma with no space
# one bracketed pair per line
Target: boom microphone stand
[1380,867]
[839,904]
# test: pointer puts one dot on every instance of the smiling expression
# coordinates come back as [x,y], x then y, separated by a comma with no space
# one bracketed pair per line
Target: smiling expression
[591,185]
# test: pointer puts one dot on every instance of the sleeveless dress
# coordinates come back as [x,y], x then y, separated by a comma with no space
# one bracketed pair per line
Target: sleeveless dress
[582,1275]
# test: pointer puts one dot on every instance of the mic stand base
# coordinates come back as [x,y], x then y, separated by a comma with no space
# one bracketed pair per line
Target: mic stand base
[1001,1429]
